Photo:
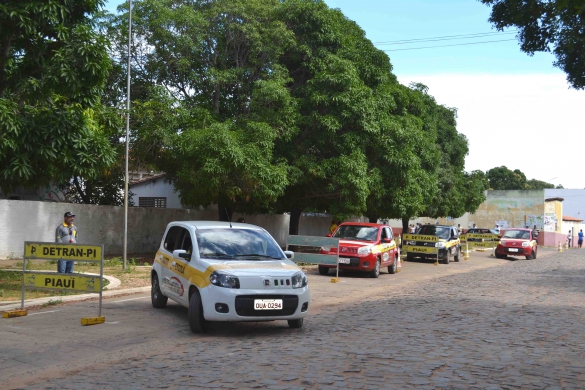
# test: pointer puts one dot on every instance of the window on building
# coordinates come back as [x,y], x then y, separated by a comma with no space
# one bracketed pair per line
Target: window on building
[148,201]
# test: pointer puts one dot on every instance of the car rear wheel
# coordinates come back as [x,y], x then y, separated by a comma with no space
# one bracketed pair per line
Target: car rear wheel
[197,322]
[159,301]
[409,257]
[376,271]
[295,323]
[392,269]
[457,254]
[323,270]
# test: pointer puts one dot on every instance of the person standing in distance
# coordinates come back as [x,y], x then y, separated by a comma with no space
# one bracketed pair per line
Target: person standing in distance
[66,233]
[580,234]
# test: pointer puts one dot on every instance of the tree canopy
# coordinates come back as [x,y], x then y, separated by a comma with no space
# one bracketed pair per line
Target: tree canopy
[502,178]
[556,25]
[283,106]
[53,65]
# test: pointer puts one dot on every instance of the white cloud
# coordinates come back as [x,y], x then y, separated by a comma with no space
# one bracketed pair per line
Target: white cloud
[529,122]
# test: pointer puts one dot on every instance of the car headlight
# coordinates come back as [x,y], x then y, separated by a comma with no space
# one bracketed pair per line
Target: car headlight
[299,280]
[364,250]
[325,249]
[502,242]
[440,244]
[525,243]
[222,279]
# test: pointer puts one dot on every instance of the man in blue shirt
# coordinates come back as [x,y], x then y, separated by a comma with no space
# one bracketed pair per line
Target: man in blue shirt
[580,242]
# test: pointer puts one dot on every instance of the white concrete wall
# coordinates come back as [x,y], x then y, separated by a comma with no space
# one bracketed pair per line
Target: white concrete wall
[22,221]
[157,188]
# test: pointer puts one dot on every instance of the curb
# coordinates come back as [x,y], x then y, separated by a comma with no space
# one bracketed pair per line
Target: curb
[75,298]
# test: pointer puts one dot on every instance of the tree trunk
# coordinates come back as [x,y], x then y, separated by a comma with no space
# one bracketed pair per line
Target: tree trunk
[82,194]
[372,219]
[405,225]
[295,218]
[225,212]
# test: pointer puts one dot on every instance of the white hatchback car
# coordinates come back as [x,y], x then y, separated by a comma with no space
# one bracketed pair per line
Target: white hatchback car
[224,271]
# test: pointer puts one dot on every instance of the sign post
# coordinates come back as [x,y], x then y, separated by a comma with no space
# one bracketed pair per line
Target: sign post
[43,280]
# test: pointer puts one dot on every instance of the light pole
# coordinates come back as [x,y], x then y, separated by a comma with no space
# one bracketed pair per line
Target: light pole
[127,137]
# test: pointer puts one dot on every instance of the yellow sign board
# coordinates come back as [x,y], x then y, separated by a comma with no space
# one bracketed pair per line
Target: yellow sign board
[486,236]
[420,237]
[43,250]
[488,244]
[419,249]
[65,282]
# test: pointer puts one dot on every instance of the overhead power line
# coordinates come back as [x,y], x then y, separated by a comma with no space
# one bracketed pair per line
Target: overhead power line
[456,44]
[445,38]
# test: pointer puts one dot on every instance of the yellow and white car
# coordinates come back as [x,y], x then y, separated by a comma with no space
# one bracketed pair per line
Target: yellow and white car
[224,271]
[433,242]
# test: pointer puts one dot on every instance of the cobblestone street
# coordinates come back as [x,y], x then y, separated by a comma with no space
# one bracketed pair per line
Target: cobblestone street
[514,326]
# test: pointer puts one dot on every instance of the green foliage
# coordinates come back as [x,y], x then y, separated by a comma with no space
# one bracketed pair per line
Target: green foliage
[53,66]
[502,178]
[534,184]
[543,26]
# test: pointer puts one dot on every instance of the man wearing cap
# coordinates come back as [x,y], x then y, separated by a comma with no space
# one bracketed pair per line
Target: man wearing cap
[66,233]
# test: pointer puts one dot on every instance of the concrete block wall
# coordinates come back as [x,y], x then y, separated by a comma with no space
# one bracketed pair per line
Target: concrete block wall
[22,221]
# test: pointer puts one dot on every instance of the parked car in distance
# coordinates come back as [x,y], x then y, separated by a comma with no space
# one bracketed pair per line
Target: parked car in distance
[447,244]
[518,242]
[365,247]
[223,271]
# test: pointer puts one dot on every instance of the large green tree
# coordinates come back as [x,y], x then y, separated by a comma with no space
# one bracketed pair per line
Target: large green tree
[211,98]
[53,65]
[343,88]
[551,25]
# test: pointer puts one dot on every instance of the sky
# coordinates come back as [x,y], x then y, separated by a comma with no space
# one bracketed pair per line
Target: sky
[516,110]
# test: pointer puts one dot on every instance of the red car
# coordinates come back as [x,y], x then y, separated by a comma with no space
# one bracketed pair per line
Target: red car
[363,247]
[517,242]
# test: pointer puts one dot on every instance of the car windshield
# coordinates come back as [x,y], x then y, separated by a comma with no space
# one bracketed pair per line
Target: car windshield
[356,232]
[432,230]
[237,244]
[519,234]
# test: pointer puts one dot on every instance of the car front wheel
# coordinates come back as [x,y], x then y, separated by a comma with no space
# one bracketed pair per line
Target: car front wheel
[323,270]
[376,271]
[197,322]
[394,266]
[295,323]
[457,254]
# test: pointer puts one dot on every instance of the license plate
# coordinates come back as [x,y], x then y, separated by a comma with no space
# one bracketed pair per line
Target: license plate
[344,261]
[513,250]
[267,304]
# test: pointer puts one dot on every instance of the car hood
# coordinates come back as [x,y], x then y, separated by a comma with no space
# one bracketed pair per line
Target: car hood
[355,243]
[254,268]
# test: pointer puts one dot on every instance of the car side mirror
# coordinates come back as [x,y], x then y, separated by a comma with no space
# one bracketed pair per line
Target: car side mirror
[289,255]
[386,240]
[181,253]
[328,235]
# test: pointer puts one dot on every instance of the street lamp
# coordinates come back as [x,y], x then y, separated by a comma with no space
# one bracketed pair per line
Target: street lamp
[127,137]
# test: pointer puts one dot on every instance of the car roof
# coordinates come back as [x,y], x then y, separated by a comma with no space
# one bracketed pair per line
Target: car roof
[216,224]
[367,224]
[432,224]
[528,230]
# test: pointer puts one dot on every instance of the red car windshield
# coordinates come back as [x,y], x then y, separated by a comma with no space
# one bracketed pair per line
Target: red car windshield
[517,234]
[356,232]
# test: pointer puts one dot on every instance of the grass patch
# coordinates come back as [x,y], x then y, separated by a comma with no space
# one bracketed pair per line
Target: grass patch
[133,276]
[52,302]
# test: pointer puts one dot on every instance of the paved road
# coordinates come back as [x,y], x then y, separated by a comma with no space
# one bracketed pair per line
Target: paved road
[482,324]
